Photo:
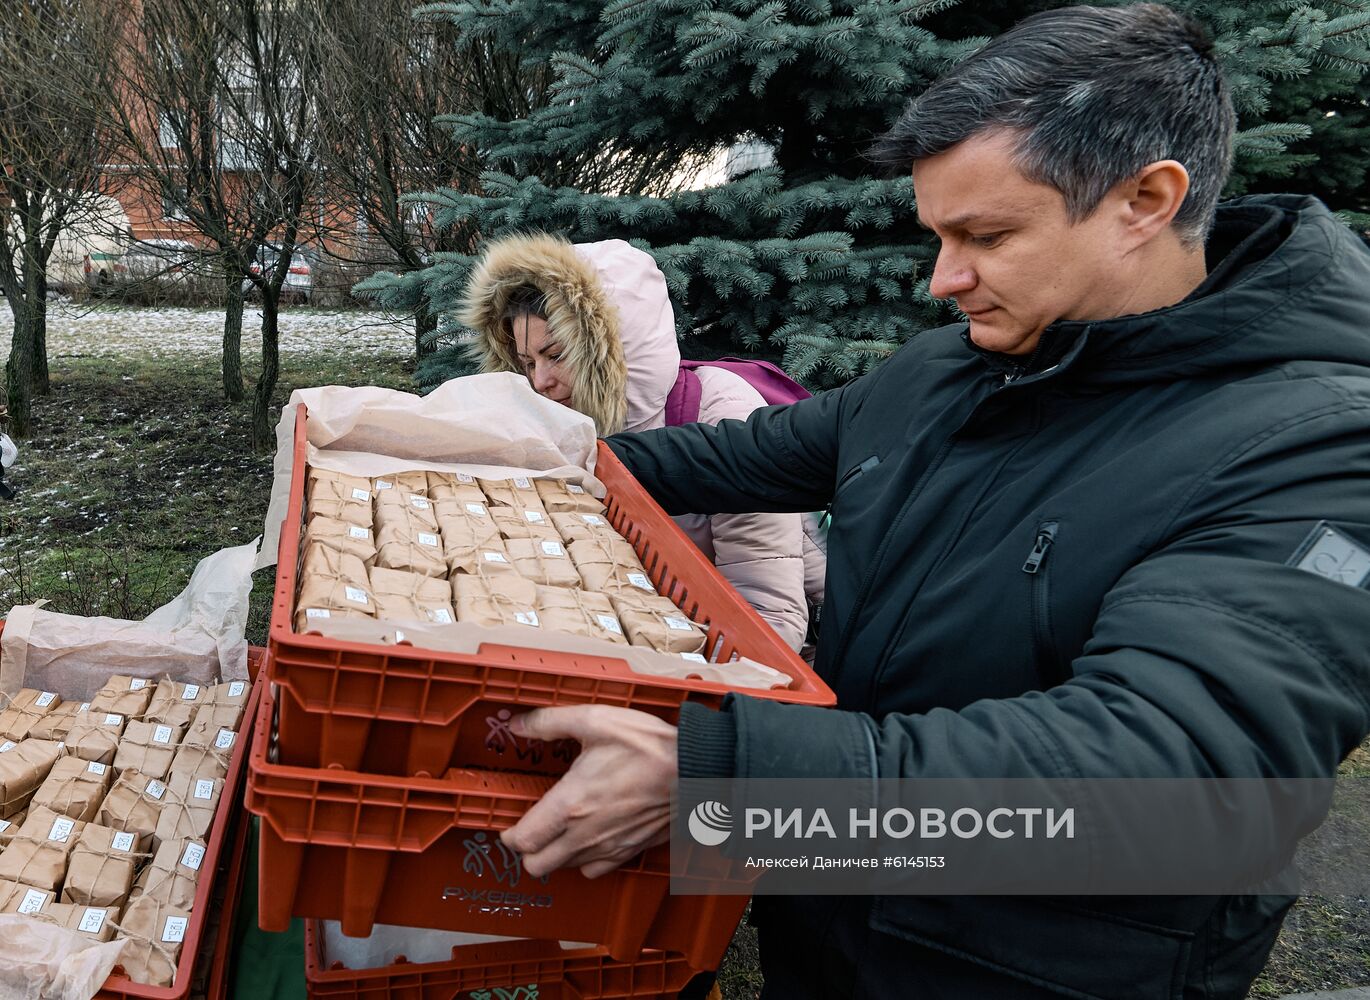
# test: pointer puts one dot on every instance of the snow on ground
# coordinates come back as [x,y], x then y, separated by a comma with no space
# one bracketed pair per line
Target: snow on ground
[83,330]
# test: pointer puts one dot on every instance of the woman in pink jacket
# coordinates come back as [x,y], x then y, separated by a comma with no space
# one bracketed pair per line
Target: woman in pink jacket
[591,326]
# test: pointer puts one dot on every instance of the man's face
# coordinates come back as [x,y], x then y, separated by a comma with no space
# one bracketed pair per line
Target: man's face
[1010,256]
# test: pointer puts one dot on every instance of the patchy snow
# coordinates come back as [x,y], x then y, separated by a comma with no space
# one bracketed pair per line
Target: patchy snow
[82,330]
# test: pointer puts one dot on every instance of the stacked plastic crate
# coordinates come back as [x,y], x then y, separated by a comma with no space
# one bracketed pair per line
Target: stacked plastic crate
[383,784]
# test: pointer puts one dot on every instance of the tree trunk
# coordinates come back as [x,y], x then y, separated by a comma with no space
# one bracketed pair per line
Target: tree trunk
[38,312]
[425,322]
[262,438]
[233,339]
[19,372]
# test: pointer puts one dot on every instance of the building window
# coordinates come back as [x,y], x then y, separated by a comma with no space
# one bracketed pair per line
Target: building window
[166,131]
[174,204]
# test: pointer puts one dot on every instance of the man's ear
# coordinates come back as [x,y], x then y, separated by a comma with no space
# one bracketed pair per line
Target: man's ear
[1152,198]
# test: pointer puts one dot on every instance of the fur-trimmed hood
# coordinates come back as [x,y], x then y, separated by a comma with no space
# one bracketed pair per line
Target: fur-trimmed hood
[608,308]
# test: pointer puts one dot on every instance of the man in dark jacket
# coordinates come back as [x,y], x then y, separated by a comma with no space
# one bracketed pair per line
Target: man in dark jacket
[1083,534]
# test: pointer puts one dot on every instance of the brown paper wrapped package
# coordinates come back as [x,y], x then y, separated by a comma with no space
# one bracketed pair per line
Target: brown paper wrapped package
[609,565]
[501,600]
[214,726]
[343,482]
[38,855]
[149,747]
[189,808]
[57,723]
[9,828]
[124,695]
[518,492]
[581,526]
[544,562]
[133,804]
[305,617]
[411,548]
[489,562]
[15,897]
[174,703]
[454,486]
[352,539]
[174,873]
[580,613]
[24,767]
[154,931]
[522,522]
[466,527]
[411,597]
[103,864]
[651,620]
[95,736]
[75,788]
[24,710]
[333,581]
[390,489]
[561,497]
[202,762]
[412,509]
[346,498]
[231,693]
[96,922]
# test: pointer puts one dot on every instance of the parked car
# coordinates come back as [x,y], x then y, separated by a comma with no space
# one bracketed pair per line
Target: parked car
[299,279]
[146,269]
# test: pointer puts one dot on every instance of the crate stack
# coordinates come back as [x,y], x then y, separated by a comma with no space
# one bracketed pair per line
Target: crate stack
[384,773]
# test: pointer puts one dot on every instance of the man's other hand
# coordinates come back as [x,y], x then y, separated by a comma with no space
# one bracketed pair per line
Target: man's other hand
[613,802]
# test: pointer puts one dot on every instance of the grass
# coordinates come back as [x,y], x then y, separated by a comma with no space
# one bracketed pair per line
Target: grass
[140,468]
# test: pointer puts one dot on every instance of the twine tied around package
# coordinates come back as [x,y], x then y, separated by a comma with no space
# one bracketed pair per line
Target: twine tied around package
[106,857]
[166,953]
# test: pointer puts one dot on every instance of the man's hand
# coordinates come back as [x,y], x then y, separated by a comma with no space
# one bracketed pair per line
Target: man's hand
[613,802]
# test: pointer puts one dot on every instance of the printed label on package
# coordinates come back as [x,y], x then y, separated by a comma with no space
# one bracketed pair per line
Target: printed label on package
[359,532]
[224,740]
[553,549]
[4,825]
[494,557]
[639,581]
[85,707]
[360,494]
[356,596]
[33,901]
[7,746]
[192,856]
[693,657]
[573,488]
[190,692]
[95,767]
[677,624]
[92,920]
[421,503]
[61,829]
[441,615]
[123,842]
[113,720]
[478,509]
[204,789]
[610,624]
[522,483]
[236,689]
[383,484]
[137,684]
[534,517]
[162,734]
[426,539]
[316,613]
[526,617]
[175,930]
[45,699]
[594,520]
[464,478]
[155,788]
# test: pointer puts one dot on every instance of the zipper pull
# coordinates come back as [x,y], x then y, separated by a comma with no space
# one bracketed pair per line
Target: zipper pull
[1046,534]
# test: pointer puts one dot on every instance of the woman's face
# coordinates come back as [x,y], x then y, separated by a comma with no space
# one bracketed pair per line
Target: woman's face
[541,358]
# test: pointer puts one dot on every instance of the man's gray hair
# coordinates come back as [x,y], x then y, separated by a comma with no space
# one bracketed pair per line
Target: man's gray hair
[1096,94]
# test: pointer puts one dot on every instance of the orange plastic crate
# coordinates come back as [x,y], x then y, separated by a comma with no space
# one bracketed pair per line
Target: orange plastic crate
[517,970]
[364,849]
[407,711]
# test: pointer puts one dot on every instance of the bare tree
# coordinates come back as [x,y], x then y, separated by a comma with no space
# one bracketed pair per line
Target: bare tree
[55,66]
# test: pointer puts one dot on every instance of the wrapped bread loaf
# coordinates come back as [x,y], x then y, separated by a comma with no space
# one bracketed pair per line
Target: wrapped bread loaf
[38,855]
[25,710]
[103,864]
[153,932]
[411,597]
[579,612]
[57,723]
[609,565]
[562,497]
[24,766]
[403,544]
[454,486]
[175,703]
[352,539]
[524,522]
[499,600]
[341,497]
[133,804]
[75,788]
[124,695]
[516,492]
[149,747]
[395,488]
[332,581]
[544,562]
[95,736]
[581,526]
[651,620]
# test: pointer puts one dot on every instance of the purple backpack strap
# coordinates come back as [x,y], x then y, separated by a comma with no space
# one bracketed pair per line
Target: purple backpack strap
[682,404]
[767,379]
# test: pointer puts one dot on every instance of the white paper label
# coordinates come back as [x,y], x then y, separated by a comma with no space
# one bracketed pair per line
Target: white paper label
[594,520]
[522,483]
[427,539]
[526,617]
[137,684]
[33,901]
[225,739]
[204,789]
[478,509]
[175,930]
[92,920]
[113,720]
[162,734]
[4,825]
[440,615]
[464,478]
[85,707]
[357,532]
[45,699]
[693,657]
[317,613]
[573,488]
[677,624]
[610,624]
[361,494]
[383,484]
[356,596]
[61,829]
[155,788]
[236,689]
[122,842]
[95,767]
[553,549]
[640,581]
[418,502]
[62,746]
[497,557]
[534,517]
[399,636]
[190,692]
[7,746]
[192,856]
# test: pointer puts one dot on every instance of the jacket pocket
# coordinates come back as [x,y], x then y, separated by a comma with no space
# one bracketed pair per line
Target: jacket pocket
[1038,568]
[850,476]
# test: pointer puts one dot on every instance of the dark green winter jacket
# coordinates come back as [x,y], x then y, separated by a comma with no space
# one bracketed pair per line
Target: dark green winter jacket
[1078,568]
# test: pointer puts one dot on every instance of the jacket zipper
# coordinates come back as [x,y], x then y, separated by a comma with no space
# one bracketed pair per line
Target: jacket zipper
[1043,643]
[865,466]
